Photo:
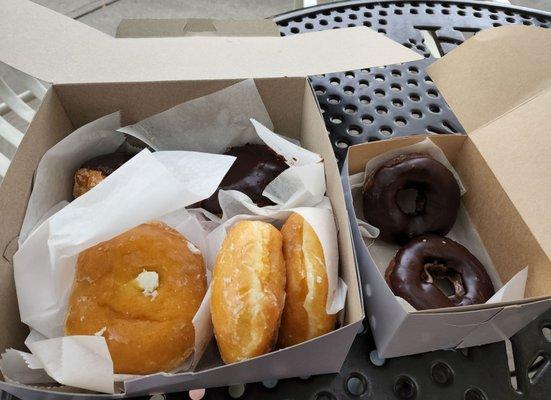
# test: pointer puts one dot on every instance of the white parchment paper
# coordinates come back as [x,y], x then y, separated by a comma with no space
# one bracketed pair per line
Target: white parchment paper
[147,187]
[463,231]
[233,117]
[204,123]
[54,176]
[211,123]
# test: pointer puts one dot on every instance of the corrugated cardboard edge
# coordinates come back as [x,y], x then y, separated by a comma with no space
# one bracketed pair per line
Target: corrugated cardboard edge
[60,50]
[142,28]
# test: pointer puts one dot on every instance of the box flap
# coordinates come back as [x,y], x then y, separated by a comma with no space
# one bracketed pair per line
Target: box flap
[140,28]
[498,83]
[60,50]
[493,72]
[517,148]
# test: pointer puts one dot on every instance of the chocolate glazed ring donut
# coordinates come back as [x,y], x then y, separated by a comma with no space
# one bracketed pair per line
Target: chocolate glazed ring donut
[416,268]
[436,203]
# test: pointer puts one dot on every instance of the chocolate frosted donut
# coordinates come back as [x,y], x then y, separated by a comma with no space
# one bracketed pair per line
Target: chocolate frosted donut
[256,165]
[417,266]
[97,169]
[436,202]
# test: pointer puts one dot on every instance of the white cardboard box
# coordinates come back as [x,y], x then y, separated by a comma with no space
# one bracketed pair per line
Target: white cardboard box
[94,74]
[498,84]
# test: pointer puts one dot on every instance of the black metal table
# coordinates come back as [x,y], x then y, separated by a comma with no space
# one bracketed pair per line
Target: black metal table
[378,103]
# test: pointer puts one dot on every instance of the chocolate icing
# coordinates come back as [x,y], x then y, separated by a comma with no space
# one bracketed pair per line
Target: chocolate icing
[436,204]
[256,165]
[417,266]
[107,163]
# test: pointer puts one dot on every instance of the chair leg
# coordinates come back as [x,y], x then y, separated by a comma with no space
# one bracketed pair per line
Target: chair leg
[13,101]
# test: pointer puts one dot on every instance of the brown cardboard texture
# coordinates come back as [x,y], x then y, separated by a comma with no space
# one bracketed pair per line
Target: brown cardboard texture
[76,53]
[505,164]
[93,77]
[510,125]
[142,28]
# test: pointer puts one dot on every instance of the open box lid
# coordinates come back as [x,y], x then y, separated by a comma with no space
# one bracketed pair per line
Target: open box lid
[58,49]
[498,83]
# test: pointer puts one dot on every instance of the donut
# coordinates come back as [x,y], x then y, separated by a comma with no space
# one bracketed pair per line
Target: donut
[96,170]
[417,266]
[256,165]
[304,316]
[435,205]
[248,291]
[140,291]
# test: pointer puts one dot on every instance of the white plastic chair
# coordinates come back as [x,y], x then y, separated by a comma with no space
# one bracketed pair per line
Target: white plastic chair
[11,102]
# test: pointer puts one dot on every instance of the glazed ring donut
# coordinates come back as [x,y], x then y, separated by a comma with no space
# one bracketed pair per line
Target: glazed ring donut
[413,273]
[436,203]
[140,291]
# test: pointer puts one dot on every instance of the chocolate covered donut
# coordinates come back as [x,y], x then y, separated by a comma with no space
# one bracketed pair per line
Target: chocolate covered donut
[97,169]
[256,165]
[436,201]
[416,268]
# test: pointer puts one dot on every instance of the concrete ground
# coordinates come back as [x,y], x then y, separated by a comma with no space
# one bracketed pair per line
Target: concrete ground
[107,17]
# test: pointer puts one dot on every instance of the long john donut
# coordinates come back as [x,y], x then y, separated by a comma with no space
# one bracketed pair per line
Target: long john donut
[413,273]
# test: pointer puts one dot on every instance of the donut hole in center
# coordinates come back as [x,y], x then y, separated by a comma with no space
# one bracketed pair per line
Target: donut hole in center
[446,279]
[411,199]
[445,286]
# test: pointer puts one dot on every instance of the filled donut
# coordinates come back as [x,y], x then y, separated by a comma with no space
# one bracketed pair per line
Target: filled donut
[255,166]
[140,291]
[304,316]
[414,273]
[433,208]
[93,171]
[248,291]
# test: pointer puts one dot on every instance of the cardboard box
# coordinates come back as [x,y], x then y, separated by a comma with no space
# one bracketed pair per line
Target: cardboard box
[143,28]
[499,85]
[94,74]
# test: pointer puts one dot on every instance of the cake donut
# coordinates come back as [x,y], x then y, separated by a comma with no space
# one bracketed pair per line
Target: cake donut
[140,291]
[96,170]
[256,165]
[435,205]
[417,266]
